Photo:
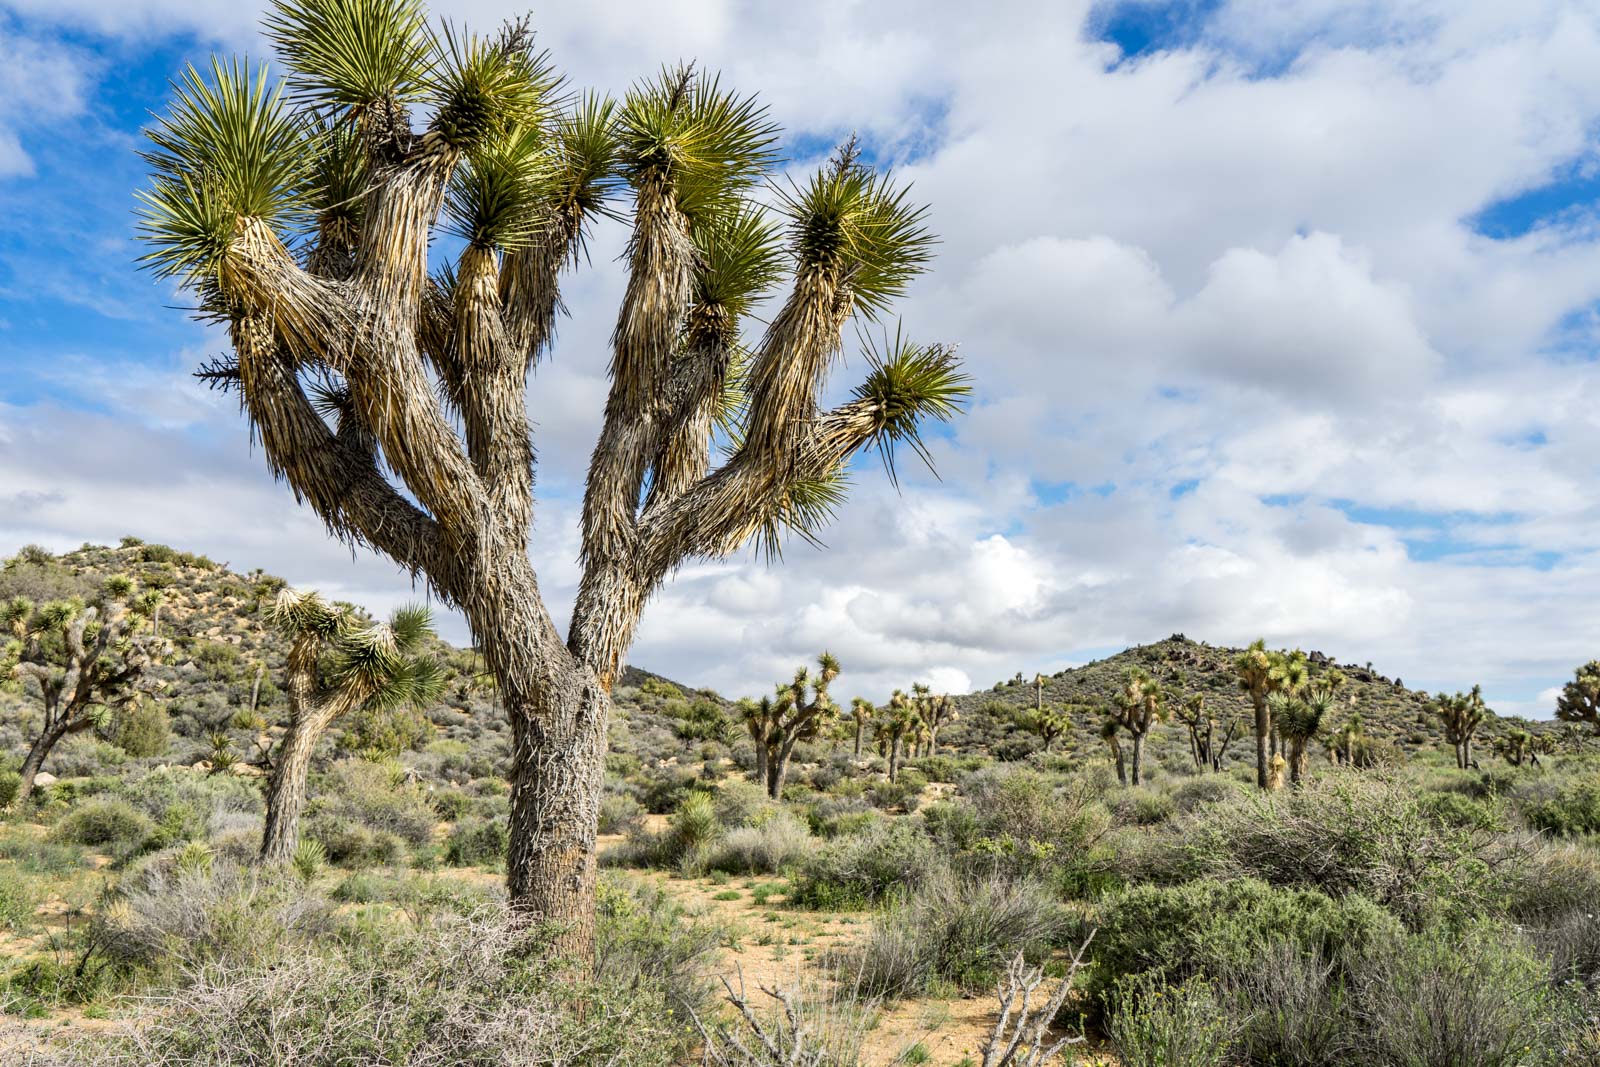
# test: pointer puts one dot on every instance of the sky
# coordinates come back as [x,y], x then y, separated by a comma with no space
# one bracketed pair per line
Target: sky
[1283,316]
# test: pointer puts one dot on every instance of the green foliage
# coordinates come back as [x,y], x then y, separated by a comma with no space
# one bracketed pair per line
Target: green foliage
[142,731]
[10,785]
[477,843]
[1572,809]
[861,869]
[1208,927]
[1184,1025]
[19,896]
[352,54]
[112,825]
[308,859]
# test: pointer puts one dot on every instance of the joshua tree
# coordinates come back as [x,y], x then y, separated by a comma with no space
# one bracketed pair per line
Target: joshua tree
[1300,718]
[1110,727]
[757,718]
[1049,723]
[798,712]
[1140,704]
[933,712]
[1038,692]
[1350,740]
[1579,701]
[1262,673]
[900,723]
[336,665]
[88,663]
[1460,715]
[1517,745]
[301,221]
[1204,748]
[861,712]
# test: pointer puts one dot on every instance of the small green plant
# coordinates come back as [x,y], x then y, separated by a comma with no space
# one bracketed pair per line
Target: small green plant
[310,856]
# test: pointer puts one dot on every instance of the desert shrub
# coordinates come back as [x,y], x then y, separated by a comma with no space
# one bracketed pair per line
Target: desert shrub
[957,929]
[1348,833]
[142,731]
[1547,880]
[695,824]
[187,805]
[10,785]
[643,937]
[180,913]
[1201,790]
[1026,806]
[1211,928]
[19,896]
[384,733]
[1572,944]
[620,814]
[1458,809]
[451,804]
[741,803]
[664,794]
[1437,1001]
[770,846]
[376,796]
[350,844]
[1185,1025]
[1292,1007]
[463,992]
[112,825]
[85,756]
[1570,809]
[854,871]
[1144,807]
[477,843]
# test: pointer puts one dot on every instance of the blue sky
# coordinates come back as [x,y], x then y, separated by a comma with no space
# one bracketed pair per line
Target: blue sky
[1284,317]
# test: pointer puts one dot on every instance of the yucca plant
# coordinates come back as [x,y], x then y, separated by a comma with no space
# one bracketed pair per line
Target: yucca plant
[1579,701]
[299,215]
[336,665]
[308,859]
[799,711]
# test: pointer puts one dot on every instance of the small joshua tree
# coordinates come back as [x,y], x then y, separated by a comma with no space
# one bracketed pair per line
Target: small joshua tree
[1110,728]
[900,723]
[1579,701]
[798,712]
[1517,745]
[393,398]
[1140,704]
[87,663]
[1350,740]
[1204,748]
[1460,715]
[335,666]
[1049,723]
[861,712]
[934,712]
[1262,673]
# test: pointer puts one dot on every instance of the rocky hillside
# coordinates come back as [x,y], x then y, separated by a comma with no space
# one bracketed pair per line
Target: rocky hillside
[1395,718]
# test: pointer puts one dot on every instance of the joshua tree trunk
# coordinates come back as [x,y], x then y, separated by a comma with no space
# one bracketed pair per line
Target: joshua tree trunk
[1297,760]
[37,754]
[1138,759]
[1263,740]
[255,688]
[859,727]
[286,788]
[761,763]
[894,758]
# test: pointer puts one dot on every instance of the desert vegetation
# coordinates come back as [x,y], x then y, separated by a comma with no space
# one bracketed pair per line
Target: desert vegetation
[1385,905]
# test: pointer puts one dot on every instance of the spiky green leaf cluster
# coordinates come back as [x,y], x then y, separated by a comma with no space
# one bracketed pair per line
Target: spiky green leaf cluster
[499,198]
[907,384]
[298,614]
[487,86]
[741,257]
[229,147]
[584,146]
[805,507]
[682,132]
[353,54]
[336,180]
[851,220]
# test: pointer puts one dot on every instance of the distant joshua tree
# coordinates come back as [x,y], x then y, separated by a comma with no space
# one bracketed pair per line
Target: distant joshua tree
[393,400]
[1301,717]
[1050,723]
[336,664]
[861,712]
[88,663]
[1460,715]
[1262,673]
[1204,748]
[1579,701]
[1140,704]
[799,711]
[900,723]
[1110,727]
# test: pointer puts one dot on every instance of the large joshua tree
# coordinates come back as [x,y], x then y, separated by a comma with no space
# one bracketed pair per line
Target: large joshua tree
[88,663]
[1262,673]
[1579,701]
[337,664]
[1140,704]
[393,401]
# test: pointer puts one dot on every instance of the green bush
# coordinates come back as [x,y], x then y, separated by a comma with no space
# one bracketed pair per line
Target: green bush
[1212,927]
[112,825]
[620,814]
[143,731]
[10,785]
[957,929]
[19,896]
[378,797]
[350,844]
[1185,1025]
[477,843]
[1574,808]
[861,869]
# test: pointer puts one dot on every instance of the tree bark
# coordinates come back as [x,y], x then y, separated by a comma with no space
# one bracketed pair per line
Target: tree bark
[858,739]
[894,758]
[36,756]
[761,763]
[1138,759]
[557,774]
[1297,761]
[286,789]
[1263,755]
